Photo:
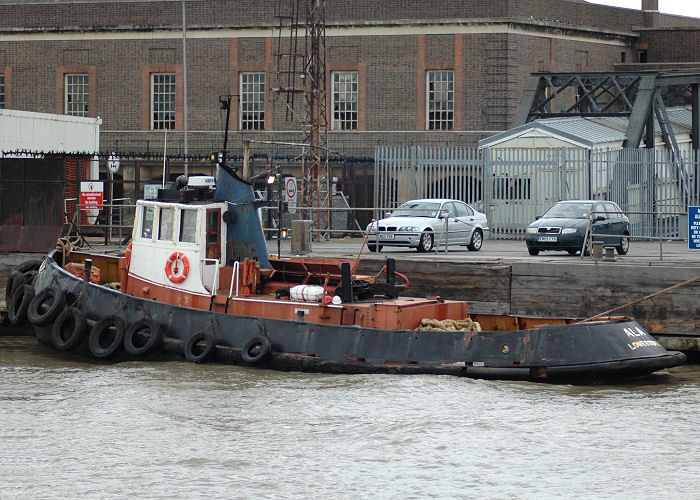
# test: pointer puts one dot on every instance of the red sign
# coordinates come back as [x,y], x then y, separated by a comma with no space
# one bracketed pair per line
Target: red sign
[291,187]
[91,195]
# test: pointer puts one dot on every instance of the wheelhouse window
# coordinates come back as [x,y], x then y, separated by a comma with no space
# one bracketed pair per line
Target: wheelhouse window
[213,232]
[188,226]
[77,92]
[440,102]
[162,101]
[167,216]
[147,222]
[2,91]
[345,100]
[252,101]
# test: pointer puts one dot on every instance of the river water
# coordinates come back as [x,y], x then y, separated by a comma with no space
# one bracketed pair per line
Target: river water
[168,430]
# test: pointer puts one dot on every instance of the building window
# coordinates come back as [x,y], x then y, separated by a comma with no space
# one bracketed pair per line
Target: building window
[252,101]
[344,100]
[441,100]
[162,101]
[2,91]
[76,98]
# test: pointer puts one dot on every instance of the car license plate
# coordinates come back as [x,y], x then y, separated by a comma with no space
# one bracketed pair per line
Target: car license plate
[386,236]
[547,238]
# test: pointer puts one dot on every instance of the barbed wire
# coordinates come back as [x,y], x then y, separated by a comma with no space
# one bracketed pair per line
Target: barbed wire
[136,155]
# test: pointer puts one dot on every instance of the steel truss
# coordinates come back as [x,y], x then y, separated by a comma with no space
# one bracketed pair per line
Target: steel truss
[641,97]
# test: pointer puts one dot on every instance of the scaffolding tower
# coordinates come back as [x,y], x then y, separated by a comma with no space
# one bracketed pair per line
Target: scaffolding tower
[305,73]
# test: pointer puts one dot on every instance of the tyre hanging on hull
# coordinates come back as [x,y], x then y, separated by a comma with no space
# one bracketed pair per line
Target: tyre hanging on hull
[256,350]
[106,339]
[46,305]
[14,280]
[142,337]
[19,303]
[68,329]
[199,347]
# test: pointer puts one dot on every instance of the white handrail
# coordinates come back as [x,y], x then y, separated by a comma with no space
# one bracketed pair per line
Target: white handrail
[215,284]
[234,278]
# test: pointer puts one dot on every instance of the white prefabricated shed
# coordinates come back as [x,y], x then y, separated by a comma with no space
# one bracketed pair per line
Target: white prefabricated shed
[590,133]
[49,133]
[46,132]
[544,161]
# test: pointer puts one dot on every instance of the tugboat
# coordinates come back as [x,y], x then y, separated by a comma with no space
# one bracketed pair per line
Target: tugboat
[197,282]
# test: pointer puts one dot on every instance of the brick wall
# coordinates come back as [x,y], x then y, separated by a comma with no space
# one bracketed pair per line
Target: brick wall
[68,14]
[672,44]
[491,59]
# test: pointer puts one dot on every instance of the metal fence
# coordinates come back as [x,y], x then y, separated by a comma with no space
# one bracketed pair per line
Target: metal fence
[513,186]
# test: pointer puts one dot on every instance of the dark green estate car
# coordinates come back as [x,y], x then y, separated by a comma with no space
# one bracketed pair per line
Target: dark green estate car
[563,227]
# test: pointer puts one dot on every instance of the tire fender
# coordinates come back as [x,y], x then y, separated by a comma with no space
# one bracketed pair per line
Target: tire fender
[46,305]
[101,343]
[256,350]
[14,280]
[17,308]
[194,351]
[133,337]
[72,321]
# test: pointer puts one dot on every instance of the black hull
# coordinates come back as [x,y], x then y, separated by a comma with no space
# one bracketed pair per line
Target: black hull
[581,352]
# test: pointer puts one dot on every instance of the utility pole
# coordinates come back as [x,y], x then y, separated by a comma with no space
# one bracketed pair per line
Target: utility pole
[184,81]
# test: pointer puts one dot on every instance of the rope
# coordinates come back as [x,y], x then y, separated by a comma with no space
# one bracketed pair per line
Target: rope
[450,325]
[607,313]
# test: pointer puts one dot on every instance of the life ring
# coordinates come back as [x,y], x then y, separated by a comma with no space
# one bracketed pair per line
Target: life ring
[256,350]
[177,275]
[147,329]
[106,339]
[17,309]
[46,305]
[127,254]
[69,329]
[194,351]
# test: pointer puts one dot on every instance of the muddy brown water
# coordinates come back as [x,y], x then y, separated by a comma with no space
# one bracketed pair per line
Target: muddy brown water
[75,429]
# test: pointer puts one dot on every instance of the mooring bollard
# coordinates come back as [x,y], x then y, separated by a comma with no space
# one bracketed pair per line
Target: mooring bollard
[597,250]
[609,255]
[301,236]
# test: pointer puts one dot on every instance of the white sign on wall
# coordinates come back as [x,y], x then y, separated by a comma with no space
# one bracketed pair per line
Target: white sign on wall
[113,163]
[291,193]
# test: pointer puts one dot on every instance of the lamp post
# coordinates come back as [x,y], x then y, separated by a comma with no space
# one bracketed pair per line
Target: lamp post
[271,179]
[279,211]
[184,81]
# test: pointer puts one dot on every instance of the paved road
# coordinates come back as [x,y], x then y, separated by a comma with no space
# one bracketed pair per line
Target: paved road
[641,252]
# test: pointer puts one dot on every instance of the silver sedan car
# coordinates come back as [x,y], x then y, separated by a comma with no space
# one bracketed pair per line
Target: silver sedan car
[427,223]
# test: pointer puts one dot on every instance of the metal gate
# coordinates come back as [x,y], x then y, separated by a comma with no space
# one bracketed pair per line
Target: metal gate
[405,173]
[513,186]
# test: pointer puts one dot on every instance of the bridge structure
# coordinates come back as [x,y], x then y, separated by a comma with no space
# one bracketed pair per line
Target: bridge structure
[641,97]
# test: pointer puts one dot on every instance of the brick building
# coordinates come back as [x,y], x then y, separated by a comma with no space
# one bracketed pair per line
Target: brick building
[398,71]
